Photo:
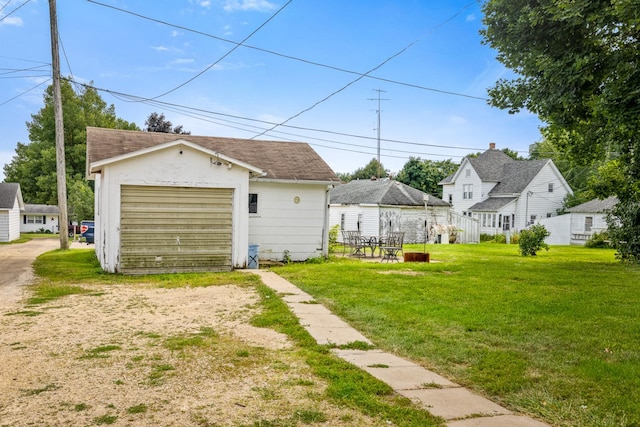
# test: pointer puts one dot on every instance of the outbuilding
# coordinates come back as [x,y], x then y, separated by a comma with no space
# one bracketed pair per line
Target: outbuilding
[10,206]
[182,203]
[40,218]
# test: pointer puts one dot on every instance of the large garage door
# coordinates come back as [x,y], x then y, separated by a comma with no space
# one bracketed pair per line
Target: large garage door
[175,229]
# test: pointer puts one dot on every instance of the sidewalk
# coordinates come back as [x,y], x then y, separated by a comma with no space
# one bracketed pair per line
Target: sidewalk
[457,405]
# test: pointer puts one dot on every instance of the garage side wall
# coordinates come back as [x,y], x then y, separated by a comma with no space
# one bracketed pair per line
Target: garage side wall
[176,166]
[290,217]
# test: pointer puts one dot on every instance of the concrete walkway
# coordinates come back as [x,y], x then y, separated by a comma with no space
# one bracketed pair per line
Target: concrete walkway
[457,405]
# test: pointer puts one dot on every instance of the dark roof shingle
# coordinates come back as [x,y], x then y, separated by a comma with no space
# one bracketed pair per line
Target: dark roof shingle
[8,194]
[279,160]
[595,206]
[381,192]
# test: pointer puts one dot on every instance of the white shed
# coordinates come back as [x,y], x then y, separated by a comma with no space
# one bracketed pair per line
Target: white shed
[579,223]
[378,206]
[180,203]
[10,206]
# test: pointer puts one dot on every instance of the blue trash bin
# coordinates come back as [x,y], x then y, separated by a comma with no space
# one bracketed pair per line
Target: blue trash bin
[253,256]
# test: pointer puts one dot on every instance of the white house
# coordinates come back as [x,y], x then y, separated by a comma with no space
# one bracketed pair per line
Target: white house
[378,206]
[36,218]
[179,203]
[504,194]
[579,223]
[10,206]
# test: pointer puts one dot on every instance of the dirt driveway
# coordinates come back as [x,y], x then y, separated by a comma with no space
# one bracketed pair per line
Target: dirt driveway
[134,355]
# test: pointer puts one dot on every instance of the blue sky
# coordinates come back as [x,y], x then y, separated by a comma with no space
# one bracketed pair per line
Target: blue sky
[417,45]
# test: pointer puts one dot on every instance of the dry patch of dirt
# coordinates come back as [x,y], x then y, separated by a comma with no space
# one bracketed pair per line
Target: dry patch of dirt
[139,356]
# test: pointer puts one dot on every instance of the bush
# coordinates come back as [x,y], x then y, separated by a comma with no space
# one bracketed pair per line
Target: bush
[531,240]
[624,230]
[500,238]
[515,238]
[333,234]
[486,237]
[598,240]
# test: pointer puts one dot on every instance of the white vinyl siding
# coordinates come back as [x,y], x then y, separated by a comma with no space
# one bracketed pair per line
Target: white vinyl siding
[10,223]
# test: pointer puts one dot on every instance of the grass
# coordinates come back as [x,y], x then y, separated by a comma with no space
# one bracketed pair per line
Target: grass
[555,335]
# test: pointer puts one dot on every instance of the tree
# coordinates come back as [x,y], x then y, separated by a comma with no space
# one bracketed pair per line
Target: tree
[34,165]
[531,240]
[578,69]
[426,174]
[157,123]
[367,172]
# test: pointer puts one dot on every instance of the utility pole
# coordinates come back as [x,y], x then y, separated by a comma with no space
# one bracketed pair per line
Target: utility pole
[378,128]
[61,169]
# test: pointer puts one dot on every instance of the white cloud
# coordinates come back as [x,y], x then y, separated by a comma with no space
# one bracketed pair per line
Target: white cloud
[457,120]
[205,3]
[182,61]
[471,18]
[175,33]
[248,5]
[160,48]
[12,20]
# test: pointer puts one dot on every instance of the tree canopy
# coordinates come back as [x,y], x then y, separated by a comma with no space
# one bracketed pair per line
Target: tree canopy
[577,67]
[34,165]
[426,174]
[366,172]
[157,123]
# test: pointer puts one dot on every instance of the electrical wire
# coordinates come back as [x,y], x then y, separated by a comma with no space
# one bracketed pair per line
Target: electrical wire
[229,52]
[306,61]
[13,11]
[26,91]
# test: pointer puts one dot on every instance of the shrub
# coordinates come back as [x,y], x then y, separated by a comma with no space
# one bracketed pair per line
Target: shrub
[531,240]
[333,234]
[515,238]
[598,240]
[500,238]
[486,237]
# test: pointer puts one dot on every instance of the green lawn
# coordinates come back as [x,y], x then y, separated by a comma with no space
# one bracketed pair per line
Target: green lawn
[556,335]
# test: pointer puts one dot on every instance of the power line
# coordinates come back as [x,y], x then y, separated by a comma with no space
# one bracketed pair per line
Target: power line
[306,61]
[229,52]
[26,91]
[13,11]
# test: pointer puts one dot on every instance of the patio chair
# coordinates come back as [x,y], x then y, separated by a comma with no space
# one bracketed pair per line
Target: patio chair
[392,246]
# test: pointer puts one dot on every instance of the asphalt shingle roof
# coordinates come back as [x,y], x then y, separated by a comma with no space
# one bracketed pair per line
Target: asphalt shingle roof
[8,193]
[595,206]
[489,165]
[280,160]
[41,209]
[381,192]
[516,175]
[492,204]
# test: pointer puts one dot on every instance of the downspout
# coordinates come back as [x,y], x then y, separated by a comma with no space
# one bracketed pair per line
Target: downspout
[325,228]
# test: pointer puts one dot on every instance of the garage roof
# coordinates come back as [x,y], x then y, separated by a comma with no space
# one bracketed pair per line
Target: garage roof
[279,160]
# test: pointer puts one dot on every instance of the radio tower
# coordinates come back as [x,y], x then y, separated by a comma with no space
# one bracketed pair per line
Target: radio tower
[380,91]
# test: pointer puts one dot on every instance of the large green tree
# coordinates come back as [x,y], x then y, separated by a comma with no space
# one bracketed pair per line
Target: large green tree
[577,66]
[367,172]
[426,174]
[34,164]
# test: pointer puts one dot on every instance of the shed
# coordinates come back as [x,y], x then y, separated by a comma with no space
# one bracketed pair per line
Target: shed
[580,222]
[37,218]
[180,203]
[10,206]
[378,206]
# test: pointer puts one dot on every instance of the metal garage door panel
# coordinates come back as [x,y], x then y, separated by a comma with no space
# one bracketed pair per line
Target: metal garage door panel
[175,229]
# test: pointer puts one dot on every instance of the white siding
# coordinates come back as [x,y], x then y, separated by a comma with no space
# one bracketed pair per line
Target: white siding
[537,200]
[10,223]
[178,166]
[558,227]
[51,224]
[365,218]
[291,217]
[579,233]
[460,204]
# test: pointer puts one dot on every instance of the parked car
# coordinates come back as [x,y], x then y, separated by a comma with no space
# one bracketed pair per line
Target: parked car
[86,230]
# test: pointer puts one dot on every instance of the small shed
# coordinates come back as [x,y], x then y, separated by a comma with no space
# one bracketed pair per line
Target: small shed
[38,218]
[179,203]
[580,222]
[378,206]
[10,206]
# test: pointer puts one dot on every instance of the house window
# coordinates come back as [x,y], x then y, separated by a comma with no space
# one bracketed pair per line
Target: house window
[253,203]
[467,191]
[467,173]
[34,219]
[359,221]
[451,198]
[493,220]
[342,221]
[532,219]
[499,220]
[551,187]
[505,223]
[588,223]
[549,214]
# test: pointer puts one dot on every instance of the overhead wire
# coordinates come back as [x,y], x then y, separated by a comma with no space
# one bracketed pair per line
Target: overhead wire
[14,10]
[295,58]
[26,91]
[229,52]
